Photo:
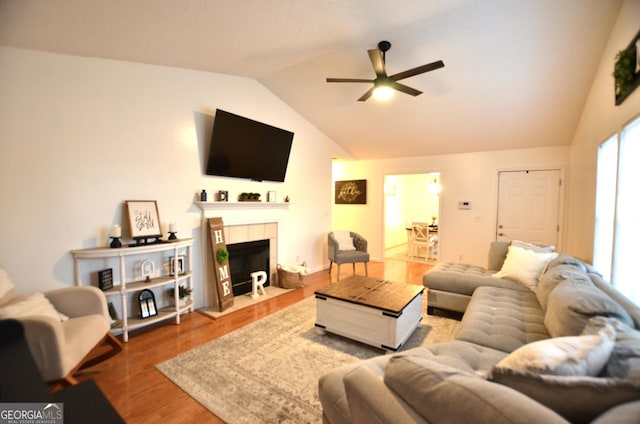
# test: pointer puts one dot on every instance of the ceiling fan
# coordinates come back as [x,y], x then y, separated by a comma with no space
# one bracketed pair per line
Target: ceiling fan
[384,84]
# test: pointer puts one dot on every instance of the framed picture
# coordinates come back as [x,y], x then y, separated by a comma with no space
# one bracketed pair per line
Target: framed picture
[147,302]
[271,196]
[181,259]
[144,220]
[351,192]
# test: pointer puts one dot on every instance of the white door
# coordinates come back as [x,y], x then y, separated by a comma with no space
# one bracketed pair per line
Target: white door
[529,206]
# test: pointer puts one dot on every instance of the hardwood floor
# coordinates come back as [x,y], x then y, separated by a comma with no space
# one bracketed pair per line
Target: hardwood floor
[141,394]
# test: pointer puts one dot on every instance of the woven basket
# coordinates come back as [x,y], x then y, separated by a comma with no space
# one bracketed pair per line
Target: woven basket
[289,280]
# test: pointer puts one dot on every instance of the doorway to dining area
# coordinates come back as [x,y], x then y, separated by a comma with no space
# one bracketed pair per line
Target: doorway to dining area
[411,199]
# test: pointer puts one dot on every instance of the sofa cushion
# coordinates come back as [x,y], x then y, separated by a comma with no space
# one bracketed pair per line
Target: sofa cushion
[457,354]
[573,355]
[502,319]
[556,275]
[563,259]
[578,399]
[632,308]
[463,278]
[442,394]
[524,265]
[573,302]
[370,401]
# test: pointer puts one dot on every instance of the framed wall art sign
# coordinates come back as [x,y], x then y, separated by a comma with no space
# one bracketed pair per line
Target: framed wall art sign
[105,279]
[220,260]
[144,220]
[351,192]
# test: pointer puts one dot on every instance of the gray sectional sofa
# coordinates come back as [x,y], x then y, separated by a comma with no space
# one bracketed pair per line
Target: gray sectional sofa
[567,351]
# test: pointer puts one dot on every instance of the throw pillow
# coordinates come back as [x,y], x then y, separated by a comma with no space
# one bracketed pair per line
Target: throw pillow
[524,266]
[533,247]
[443,394]
[576,355]
[344,239]
[624,361]
[35,305]
[577,399]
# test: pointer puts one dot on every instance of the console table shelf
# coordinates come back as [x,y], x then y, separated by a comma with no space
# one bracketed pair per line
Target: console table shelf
[124,285]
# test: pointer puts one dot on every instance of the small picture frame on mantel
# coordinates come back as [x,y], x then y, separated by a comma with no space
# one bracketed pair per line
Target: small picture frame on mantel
[271,196]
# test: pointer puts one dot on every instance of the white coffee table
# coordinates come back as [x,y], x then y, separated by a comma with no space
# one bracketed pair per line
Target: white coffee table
[376,312]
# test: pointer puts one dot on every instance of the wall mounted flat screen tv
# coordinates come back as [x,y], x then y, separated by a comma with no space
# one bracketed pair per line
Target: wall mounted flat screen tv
[244,148]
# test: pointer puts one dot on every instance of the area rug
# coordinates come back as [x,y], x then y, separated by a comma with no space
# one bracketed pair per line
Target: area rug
[268,371]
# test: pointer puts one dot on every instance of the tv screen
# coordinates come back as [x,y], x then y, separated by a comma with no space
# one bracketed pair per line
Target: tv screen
[244,148]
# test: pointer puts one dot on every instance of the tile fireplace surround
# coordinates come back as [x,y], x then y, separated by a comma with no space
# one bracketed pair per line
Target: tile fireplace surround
[251,232]
[243,222]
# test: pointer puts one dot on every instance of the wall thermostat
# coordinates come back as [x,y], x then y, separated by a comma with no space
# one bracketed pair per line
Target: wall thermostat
[464,204]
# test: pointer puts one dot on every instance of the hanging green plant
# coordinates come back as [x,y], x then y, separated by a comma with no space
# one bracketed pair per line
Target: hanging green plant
[222,255]
[624,70]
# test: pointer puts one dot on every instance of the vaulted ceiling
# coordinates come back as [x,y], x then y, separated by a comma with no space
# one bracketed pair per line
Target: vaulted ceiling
[516,75]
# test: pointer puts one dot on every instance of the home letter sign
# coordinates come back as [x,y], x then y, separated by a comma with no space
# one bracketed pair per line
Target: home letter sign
[223,278]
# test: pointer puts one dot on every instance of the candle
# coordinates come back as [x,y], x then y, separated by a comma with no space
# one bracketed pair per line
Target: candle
[116,231]
[172,227]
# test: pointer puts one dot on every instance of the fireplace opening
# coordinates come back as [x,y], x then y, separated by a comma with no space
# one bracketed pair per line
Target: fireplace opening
[245,258]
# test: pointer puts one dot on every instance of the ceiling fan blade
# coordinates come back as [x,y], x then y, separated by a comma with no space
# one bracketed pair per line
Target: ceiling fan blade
[366,95]
[419,70]
[405,89]
[349,80]
[378,64]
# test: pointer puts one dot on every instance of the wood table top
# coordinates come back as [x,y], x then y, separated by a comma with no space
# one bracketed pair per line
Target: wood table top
[379,294]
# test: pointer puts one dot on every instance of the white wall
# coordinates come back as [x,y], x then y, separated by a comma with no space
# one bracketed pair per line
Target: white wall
[600,119]
[80,135]
[464,234]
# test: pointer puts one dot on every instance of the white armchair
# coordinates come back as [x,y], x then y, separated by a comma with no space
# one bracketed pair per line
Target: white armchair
[62,327]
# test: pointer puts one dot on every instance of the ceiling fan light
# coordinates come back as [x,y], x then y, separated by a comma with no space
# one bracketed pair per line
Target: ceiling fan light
[383,92]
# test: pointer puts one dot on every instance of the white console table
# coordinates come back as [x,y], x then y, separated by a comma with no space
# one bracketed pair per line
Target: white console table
[124,284]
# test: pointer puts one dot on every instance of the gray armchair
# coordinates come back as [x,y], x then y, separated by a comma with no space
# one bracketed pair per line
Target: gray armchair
[338,256]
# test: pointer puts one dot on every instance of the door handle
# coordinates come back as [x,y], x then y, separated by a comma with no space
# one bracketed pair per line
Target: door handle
[501,234]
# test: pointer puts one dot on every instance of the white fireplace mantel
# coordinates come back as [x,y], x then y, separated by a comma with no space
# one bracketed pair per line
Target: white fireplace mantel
[211,206]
